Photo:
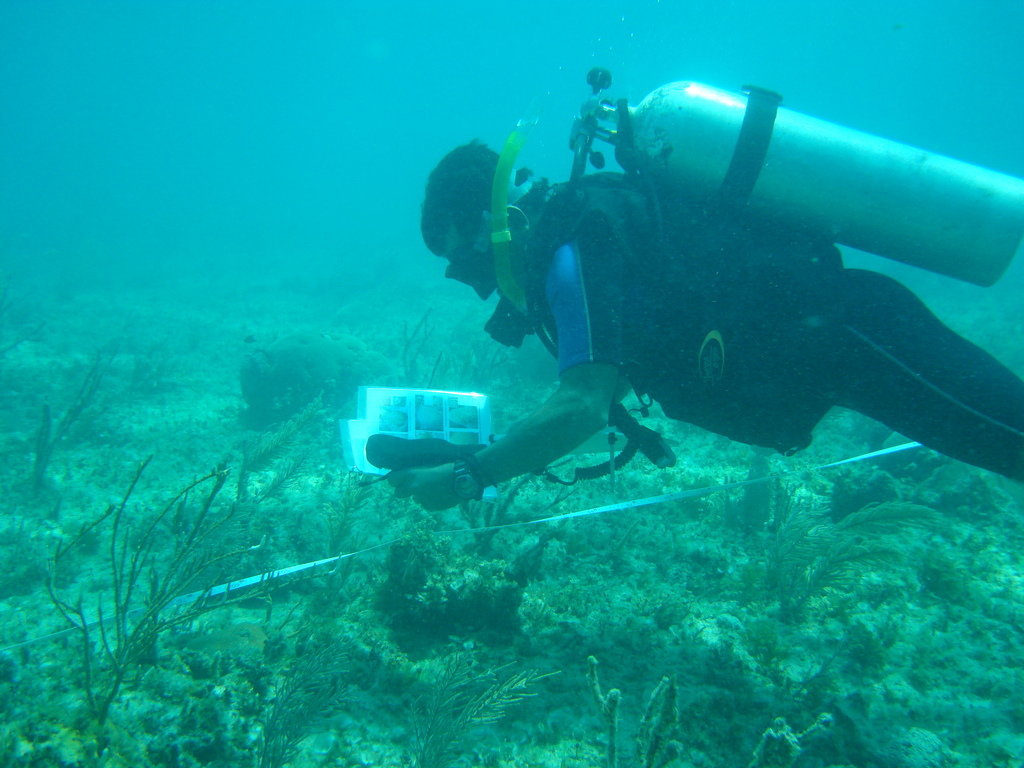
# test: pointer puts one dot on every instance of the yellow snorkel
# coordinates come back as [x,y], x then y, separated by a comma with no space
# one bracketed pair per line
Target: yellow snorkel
[501,235]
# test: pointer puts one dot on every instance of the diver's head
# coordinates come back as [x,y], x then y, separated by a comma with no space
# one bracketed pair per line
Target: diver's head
[455,221]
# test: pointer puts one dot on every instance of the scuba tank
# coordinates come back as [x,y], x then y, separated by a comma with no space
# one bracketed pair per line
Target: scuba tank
[744,152]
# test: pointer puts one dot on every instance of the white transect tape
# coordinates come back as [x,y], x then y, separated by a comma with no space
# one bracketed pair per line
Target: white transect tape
[241,584]
[872,455]
[235,586]
[692,493]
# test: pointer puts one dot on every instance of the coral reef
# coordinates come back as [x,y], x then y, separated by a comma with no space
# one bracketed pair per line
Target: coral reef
[887,594]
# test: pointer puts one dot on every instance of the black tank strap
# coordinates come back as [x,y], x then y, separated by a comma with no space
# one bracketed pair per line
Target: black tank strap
[751,147]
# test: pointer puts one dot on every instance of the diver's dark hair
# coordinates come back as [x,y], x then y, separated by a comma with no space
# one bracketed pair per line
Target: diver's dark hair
[458,191]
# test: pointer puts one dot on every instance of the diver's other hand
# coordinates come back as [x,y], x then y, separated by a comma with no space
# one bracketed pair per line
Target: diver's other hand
[431,488]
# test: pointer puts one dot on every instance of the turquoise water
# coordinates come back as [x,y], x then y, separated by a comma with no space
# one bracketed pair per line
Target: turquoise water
[188,190]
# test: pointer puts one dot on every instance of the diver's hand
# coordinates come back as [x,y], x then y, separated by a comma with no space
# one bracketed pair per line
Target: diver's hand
[431,488]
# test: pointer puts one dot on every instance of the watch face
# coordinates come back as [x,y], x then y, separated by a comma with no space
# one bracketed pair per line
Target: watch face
[464,485]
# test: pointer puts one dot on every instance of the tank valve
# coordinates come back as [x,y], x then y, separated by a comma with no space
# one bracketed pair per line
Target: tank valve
[596,120]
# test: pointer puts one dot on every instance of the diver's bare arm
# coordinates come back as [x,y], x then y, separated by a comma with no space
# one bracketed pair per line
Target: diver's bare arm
[576,410]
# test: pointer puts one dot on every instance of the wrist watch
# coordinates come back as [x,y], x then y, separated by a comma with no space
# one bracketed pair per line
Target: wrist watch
[468,482]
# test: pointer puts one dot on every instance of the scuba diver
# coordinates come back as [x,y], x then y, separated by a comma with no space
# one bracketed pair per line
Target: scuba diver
[742,325]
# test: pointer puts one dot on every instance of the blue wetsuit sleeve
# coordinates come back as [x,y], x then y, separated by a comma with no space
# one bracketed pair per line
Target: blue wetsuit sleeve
[586,326]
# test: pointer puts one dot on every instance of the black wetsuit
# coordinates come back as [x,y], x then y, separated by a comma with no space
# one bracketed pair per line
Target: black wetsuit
[755,333]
